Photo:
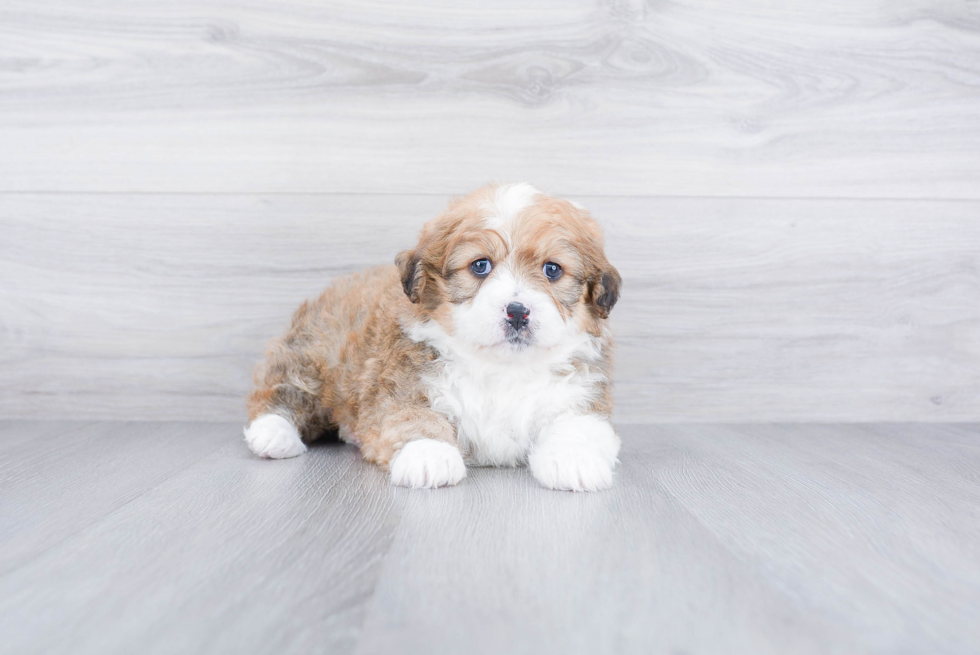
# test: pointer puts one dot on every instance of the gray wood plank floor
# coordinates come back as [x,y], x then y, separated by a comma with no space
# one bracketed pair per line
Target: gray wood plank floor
[171,538]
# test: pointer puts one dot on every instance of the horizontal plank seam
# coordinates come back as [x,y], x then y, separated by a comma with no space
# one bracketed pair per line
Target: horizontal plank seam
[709,421]
[260,194]
[617,422]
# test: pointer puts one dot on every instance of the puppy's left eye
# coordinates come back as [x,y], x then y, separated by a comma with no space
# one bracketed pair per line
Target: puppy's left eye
[552,271]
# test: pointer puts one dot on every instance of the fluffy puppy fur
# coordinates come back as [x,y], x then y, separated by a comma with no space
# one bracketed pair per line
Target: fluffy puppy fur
[487,343]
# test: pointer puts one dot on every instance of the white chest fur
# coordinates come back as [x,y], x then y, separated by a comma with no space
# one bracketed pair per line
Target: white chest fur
[500,406]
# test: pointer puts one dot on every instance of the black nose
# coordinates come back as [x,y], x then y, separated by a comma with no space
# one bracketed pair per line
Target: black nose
[517,315]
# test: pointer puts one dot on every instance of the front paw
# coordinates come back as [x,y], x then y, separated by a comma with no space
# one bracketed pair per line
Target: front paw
[571,467]
[576,453]
[275,437]
[426,464]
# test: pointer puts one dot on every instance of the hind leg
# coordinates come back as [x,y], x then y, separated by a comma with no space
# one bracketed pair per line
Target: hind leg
[285,410]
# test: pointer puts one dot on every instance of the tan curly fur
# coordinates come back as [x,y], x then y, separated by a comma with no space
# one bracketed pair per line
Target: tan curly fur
[347,362]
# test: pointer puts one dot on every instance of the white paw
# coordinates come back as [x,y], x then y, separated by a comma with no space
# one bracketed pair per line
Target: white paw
[426,464]
[571,469]
[576,454]
[273,436]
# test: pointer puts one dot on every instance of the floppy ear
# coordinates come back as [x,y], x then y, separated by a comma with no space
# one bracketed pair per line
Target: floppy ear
[410,268]
[604,290]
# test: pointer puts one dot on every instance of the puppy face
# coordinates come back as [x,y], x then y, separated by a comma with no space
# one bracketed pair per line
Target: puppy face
[508,269]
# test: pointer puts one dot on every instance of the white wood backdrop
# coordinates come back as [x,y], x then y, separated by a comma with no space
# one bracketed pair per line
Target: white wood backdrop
[792,190]
[158,305]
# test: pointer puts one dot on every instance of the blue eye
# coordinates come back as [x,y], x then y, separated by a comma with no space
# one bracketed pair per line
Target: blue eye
[481,267]
[552,271]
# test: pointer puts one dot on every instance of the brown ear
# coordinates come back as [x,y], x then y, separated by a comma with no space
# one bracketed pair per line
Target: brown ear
[410,268]
[604,290]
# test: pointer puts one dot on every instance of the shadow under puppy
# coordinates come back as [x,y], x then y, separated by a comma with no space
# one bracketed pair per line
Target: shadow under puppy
[488,344]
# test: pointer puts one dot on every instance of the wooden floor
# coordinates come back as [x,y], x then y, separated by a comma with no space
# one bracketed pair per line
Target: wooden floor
[170,537]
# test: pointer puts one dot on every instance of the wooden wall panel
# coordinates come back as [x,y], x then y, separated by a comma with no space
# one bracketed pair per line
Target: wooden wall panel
[792,191]
[718,98]
[157,306]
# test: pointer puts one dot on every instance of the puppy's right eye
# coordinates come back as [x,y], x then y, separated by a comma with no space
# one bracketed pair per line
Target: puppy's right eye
[481,267]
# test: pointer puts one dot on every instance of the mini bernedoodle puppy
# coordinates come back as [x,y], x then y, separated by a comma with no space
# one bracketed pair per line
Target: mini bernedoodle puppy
[486,344]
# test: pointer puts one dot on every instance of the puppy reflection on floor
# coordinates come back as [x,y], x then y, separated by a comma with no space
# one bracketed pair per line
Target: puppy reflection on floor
[486,344]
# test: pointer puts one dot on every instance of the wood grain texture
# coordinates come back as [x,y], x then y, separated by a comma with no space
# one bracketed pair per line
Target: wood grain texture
[829,99]
[714,539]
[157,306]
[40,477]
[757,539]
[232,554]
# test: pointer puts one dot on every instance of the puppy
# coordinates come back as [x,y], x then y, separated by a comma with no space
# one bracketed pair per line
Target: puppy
[486,344]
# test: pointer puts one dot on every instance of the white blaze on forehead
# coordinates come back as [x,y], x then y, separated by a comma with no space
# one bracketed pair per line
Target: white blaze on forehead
[508,201]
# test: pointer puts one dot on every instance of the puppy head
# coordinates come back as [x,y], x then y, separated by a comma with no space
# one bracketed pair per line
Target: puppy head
[508,269]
